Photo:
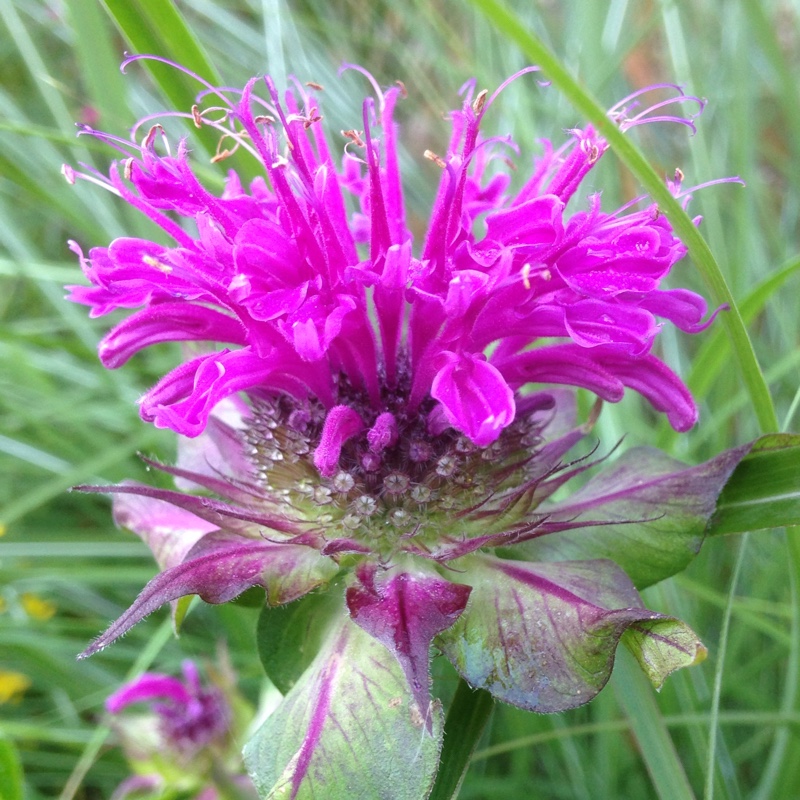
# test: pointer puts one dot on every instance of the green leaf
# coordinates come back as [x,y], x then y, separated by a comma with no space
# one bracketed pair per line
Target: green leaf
[288,637]
[10,771]
[157,27]
[653,509]
[348,730]
[764,490]
[715,352]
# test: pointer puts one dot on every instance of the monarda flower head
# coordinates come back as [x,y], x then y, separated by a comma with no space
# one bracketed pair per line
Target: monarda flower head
[387,420]
[190,716]
[184,742]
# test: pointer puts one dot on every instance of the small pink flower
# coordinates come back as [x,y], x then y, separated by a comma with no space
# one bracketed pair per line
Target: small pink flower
[191,717]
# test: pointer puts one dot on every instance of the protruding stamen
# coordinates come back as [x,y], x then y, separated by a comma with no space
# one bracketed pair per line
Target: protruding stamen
[383,433]
[526,274]
[438,160]
[354,136]
[150,136]
[480,101]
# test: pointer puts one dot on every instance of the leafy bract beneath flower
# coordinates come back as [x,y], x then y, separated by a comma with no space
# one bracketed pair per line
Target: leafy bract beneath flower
[462,550]
[415,549]
[349,728]
[543,636]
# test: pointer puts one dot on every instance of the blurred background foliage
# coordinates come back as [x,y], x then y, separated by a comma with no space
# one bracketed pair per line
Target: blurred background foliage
[65,571]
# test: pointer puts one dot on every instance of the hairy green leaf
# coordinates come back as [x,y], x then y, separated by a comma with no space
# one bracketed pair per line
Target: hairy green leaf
[647,512]
[288,637]
[349,730]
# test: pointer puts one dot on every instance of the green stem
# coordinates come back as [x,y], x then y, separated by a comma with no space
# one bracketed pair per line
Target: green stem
[466,720]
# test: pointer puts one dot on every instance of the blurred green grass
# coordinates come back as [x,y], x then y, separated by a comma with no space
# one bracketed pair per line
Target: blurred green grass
[65,420]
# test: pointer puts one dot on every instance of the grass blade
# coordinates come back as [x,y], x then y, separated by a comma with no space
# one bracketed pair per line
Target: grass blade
[708,792]
[764,490]
[658,751]
[10,771]
[714,354]
[99,62]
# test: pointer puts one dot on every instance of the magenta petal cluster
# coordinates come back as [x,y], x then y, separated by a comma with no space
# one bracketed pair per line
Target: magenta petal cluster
[308,281]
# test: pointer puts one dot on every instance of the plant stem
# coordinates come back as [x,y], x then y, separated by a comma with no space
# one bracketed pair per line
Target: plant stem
[466,721]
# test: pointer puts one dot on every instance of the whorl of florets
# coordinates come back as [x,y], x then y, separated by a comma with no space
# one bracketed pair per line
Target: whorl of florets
[405,485]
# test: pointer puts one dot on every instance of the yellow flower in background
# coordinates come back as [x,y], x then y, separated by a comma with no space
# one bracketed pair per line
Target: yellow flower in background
[12,686]
[37,607]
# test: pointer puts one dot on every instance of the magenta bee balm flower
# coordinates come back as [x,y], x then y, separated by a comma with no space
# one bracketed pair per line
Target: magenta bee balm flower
[385,421]
[183,740]
[190,716]
[284,274]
